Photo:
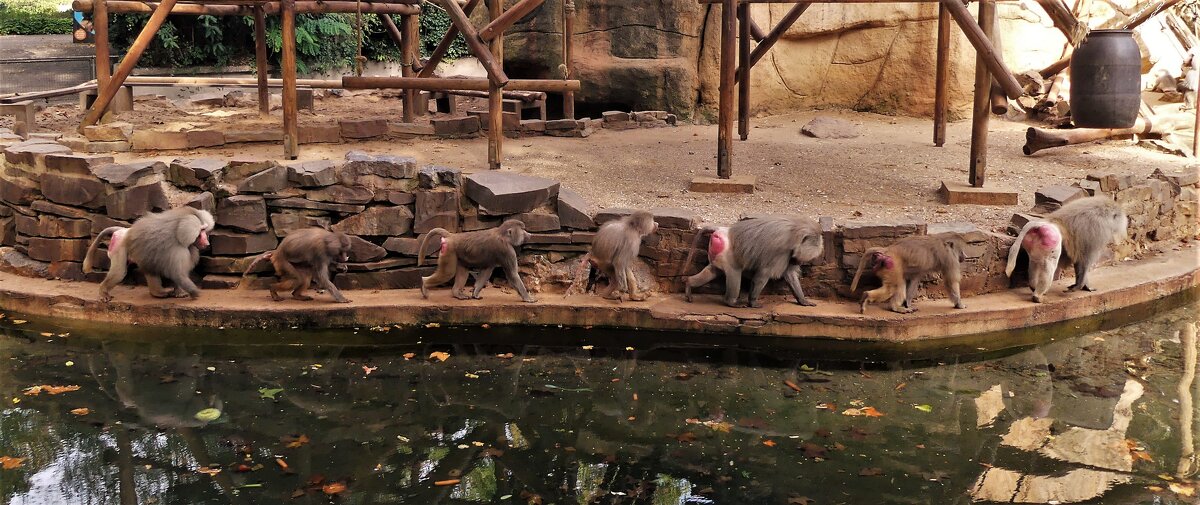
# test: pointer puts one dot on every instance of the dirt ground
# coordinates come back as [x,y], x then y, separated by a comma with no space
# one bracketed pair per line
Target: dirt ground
[892,171]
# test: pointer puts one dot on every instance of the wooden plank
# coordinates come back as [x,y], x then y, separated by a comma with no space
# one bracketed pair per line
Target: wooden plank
[743,13]
[501,22]
[439,52]
[446,83]
[983,47]
[494,68]
[941,77]
[105,94]
[103,58]
[569,56]
[260,58]
[291,138]
[766,43]
[192,9]
[725,100]
[983,90]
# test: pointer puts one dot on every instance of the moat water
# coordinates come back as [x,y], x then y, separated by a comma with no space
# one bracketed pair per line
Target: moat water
[445,415]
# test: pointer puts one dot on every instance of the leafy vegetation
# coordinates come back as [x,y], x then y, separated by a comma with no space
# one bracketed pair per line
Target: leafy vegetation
[33,17]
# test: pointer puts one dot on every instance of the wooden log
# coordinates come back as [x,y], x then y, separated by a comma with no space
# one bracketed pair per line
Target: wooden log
[446,84]
[569,55]
[999,102]
[1144,14]
[495,96]
[38,95]
[393,31]
[439,52]
[291,137]
[137,80]
[524,96]
[756,31]
[1037,139]
[260,59]
[983,48]
[494,68]
[727,76]
[1062,18]
[104,95]
[501,22]
[103,58]
[743,13]
[767,42]
[983,89]
[191,9]
[941,77]
[408,42]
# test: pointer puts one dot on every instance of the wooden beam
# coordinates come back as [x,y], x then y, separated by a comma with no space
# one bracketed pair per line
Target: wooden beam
[439,52]
[743,86]
[103,58]
[767,42]
[1147,12]
[941,77]
[291,137]
[408,41]
[260,59]
[494,68]
[727,78]
[105,94]
[445,83]
[500,23]
[983,47]
[568,52]
[138,80]
[756,31]
[983,91]
[192,9]
[495,95]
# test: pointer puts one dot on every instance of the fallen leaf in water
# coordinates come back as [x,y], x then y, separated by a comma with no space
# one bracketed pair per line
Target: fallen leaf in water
[82,411]
[507,355]
[1181,489]
[297,493]
[439,355]
[10,463]
[827,406]
[410,355]
[282,464]
[37,390]
[208,470]
[792,385]
[531,498]
[769,443]
[333,488]
[46,334]
[812,450]
[800,500]
[1142,456]
[870,472]
[447,482]
[207,415]
[857,433]
[269,393]
[721,426]
[294,442]
[19,321]
[865,411]
[433,325]
[923,408]
[368,369]
[901,386]
[242,468]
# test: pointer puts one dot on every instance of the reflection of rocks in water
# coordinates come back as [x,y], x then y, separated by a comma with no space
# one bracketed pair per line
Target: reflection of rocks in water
[478,485]
[1001,485]
[1095,448]
[988,406]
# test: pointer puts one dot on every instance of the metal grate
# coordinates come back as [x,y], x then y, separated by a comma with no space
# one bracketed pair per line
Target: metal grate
[43,74]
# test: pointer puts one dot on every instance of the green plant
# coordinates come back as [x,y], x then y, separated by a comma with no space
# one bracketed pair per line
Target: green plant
[433,24]
[33,17]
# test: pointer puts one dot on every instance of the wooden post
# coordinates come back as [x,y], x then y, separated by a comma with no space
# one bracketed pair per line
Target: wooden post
[767,42]
[725,100]
[744,66]
[984,50]
[495,69]
[439,52]
[105,94]
[1196,128]
[260,56]
[942,77]
[408,39]
[756,32]
[103,59]
[502,21]
[983,92]
[291,138]
[495,95]
[568,55]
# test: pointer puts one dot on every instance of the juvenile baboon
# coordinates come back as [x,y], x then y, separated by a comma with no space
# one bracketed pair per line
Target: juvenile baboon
[305,255]
[771,247]
[891,273]
[165,244]
[916,257]
[1086,227]
[482,250]
[614,249]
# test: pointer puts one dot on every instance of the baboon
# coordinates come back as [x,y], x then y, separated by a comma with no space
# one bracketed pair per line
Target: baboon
[305,255]
[891,272]
[1086,227]
[165,244]
[614,249]
[914,258]
[771,247]
[482,250]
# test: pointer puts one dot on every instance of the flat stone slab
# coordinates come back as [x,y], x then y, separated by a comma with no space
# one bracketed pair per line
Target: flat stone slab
[735,184]
[954,193]
[503,193]
[824,127]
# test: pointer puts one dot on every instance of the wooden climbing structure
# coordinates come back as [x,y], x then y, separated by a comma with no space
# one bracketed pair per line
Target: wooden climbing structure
[485,43]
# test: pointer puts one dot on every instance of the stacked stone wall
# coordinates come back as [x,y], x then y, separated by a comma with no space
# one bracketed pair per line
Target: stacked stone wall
[53,201]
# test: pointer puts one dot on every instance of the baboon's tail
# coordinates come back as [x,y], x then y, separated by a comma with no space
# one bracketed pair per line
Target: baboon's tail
[692,250]
[440,232]
[862,262]
[89,260]
[1015,250]
[242,284]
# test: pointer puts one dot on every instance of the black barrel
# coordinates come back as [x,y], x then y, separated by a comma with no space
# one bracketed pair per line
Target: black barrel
[1106,80]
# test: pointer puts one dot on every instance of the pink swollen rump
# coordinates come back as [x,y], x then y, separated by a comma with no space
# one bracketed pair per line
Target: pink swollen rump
[443,248]
[718,243]
[1044,236]
[115,241]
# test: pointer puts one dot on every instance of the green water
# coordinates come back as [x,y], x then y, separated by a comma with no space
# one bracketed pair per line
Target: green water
[587,417]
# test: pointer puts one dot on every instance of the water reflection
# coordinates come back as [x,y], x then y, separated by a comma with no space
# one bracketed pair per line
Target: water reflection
[1106,417]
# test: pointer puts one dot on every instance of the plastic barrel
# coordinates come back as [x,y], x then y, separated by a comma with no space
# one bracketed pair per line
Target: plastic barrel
[1106,80]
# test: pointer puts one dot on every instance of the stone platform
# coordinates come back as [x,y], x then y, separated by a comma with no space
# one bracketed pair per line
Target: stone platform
[1127,291]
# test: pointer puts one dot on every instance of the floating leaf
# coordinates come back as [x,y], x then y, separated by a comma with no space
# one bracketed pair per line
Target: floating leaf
[208,470]
[812,450]
[409,355]
[865,411]
[439,355]
[507,355]
[333,488]
[10,463]
[46,334]
[791,385]
[82,411]
[923,408]
[447,482]
[1182,489]
[1142,456]
[269,393]
[37,390]
[800,500]
[208,414]
[826,406]
[295,442]
[720,426]
[19,321]
[368,369]
[769,443]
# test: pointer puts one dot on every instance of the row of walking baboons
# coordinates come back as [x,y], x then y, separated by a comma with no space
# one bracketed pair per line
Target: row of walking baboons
[167,246]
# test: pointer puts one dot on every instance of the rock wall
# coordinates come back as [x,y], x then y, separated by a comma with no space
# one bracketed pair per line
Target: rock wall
[663,55]
[53,201]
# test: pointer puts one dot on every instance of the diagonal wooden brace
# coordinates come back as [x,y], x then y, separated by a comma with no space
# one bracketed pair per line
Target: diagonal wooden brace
[984,49]
[494,68]
[767,42]
[105,94]
[447,40]
[497,26]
